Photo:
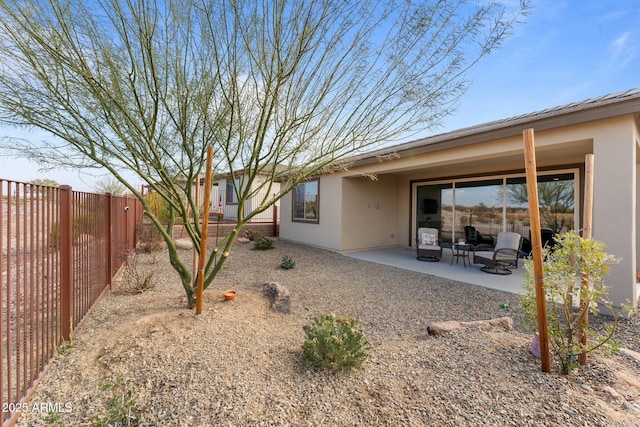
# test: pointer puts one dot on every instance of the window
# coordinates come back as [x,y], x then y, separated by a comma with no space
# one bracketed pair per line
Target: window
[306,198]
[232,197]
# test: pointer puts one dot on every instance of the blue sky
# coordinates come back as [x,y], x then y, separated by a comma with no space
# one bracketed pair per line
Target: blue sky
[566,51]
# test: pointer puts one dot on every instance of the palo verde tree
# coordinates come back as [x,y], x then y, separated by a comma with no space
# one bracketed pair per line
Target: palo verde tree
[275,87]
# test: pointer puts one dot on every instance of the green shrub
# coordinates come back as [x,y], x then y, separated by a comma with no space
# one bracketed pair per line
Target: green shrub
[263,243]
[335,343]
[572,256]
[287,263]
[120,406]
[159,207]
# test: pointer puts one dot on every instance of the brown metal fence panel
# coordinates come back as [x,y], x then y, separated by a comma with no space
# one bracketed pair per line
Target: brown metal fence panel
[60,250]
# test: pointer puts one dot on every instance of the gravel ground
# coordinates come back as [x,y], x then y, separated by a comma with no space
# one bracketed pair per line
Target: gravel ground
[241,364]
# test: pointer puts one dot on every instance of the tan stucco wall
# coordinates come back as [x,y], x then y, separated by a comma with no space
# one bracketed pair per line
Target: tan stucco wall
[370,213]
[327,233]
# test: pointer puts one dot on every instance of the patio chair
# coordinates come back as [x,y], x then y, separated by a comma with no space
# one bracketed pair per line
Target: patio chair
[474,237]
[428,244]
[502,257]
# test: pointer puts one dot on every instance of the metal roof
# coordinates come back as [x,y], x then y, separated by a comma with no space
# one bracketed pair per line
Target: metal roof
[601,107]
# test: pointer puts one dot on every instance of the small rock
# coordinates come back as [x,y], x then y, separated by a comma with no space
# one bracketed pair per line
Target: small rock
[586,387]
[279,297]
[243,240]
[611,392]
[184,244]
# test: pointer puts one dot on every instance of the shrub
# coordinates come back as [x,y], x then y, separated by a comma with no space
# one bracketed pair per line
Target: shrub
[149,237]
[253,235]
[571,257]
[263,243]
[159,206]
[134,278]
[120,405]
[335,343]
[287,263]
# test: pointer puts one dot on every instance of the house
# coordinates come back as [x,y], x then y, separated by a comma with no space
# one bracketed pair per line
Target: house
[224,198]
[474,178]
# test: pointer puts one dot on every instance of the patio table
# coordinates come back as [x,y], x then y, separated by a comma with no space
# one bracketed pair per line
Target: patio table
[461,250]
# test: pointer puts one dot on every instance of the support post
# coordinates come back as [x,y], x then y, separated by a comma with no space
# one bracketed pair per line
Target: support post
[205,229]
[66,261]
[536,243]
[196,213]
[587,222]
[275,220]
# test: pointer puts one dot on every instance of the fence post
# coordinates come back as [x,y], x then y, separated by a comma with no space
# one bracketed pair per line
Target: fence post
[66,260]
[109,240]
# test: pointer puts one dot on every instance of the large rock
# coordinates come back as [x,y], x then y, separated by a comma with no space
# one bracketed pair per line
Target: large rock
[441,328]
[279,297]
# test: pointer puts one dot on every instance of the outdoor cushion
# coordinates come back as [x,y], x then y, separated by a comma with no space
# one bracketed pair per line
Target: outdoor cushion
[428,239]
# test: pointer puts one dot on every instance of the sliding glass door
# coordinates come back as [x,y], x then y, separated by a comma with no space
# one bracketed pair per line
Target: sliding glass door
[477,210]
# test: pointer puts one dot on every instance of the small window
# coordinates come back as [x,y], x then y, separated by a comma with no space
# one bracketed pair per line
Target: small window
[232,197]
[306,201]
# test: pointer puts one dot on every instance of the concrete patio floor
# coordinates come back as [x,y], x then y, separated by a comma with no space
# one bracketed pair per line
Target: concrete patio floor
[405,258]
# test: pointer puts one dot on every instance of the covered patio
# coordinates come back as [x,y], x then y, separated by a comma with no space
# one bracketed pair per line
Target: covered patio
[405,258]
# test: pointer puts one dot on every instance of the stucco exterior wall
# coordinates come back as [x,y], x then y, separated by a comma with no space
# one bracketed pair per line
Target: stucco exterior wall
[370,213]
[328,231]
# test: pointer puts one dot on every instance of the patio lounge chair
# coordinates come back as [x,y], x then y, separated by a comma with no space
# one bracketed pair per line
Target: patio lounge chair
[428,244]
[502,257]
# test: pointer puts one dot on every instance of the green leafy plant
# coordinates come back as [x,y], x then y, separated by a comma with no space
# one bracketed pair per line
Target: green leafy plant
[263,243]
[571,259]
[53,419]
[335,343]
[119,407]
[287,263]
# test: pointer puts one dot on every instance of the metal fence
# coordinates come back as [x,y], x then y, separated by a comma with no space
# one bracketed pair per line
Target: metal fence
[60,249]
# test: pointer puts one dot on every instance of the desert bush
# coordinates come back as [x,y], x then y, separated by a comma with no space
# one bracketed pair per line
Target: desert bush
[564,267]
[263,243]
[134,278]
[335,343]
[253,235]
[287,263]
[149,237]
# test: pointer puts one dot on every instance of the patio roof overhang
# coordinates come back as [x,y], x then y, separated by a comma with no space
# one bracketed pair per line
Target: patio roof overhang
[608,106]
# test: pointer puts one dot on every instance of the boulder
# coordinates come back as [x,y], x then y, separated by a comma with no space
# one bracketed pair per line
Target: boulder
[279,297]
[441,328]
[184,244]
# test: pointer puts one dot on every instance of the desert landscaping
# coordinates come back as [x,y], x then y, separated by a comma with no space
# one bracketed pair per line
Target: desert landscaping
[149,360]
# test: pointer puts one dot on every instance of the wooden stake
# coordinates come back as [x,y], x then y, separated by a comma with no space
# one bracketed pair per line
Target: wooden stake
[587,222]
[196,217]
[536,242]
[205,229]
